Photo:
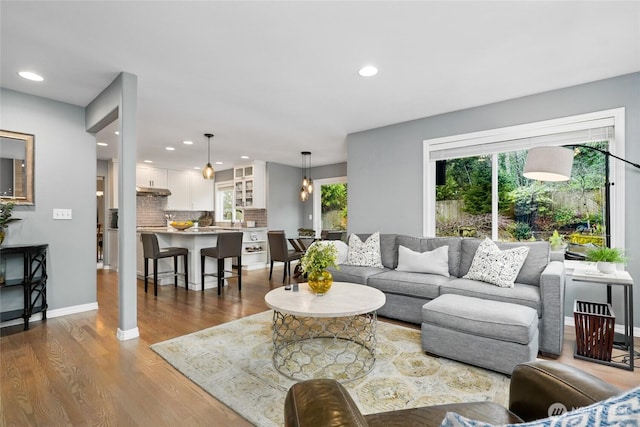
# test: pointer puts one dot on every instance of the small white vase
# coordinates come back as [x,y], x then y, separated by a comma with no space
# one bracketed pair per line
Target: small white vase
[606,267]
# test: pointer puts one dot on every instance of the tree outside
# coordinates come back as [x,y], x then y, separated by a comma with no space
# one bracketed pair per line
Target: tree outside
[333,198]
[527,209]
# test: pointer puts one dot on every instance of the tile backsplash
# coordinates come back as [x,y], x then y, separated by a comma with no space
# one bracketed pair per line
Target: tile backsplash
[151,211]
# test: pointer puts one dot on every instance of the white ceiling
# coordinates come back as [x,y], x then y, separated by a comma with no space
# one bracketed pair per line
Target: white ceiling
[271,79]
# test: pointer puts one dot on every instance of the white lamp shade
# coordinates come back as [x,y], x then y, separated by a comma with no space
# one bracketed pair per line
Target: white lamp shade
[549,164]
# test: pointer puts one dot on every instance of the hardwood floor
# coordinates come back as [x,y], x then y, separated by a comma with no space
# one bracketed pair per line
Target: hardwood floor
[72,370]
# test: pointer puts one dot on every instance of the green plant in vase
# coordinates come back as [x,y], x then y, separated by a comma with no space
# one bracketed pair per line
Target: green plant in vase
[318,257]
[6,212]
[606,258]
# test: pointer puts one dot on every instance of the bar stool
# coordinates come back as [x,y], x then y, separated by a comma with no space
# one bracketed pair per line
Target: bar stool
[152,250]
[229,245]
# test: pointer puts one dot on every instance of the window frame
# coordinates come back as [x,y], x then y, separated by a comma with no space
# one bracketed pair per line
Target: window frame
[219,205]
[521,132]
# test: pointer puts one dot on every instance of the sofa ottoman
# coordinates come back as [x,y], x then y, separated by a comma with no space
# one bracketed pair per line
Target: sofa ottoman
[490,334]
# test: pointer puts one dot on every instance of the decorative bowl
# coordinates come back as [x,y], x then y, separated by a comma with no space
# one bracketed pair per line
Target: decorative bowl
[181,225]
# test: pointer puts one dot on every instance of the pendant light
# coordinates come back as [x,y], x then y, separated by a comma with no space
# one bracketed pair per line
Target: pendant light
[307,182]
[208,172]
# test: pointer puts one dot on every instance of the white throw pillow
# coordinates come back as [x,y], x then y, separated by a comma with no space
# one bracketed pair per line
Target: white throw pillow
[365,254]
[497,267]
[433,262]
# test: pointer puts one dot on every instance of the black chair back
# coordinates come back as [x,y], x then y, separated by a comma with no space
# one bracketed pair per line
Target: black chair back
[150,246]
[278,250]
[229,244]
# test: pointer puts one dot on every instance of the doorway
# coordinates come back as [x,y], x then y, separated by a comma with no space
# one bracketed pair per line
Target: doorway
[330,205]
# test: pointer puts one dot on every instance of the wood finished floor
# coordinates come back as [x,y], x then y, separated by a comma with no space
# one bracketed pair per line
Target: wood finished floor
[73,371]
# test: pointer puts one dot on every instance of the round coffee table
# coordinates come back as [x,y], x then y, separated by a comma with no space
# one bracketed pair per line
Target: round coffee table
[328,336]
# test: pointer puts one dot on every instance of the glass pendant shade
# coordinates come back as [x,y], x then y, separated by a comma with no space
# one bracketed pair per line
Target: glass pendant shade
[307,182]
[208,172]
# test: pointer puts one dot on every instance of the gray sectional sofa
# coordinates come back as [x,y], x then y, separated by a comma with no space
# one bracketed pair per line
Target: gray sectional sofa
[539,285]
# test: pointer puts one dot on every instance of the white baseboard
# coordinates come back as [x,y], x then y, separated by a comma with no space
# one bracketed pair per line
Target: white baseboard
[128,334]
[58,312]
[569,321]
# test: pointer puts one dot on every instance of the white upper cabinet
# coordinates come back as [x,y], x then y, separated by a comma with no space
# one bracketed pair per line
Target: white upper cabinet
[250,186]
[189,191]
[202,192]
[178,182]
[151,177]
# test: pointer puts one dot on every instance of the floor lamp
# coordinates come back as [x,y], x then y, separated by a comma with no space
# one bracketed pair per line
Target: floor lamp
[555,163]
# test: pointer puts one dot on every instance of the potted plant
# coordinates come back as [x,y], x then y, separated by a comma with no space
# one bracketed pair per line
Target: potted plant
[307,232]
[6,211]
[606,258]
[556,240]
[318,257]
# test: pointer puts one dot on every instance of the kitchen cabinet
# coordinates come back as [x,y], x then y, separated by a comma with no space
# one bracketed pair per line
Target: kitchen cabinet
[202,192]
[250,186]
[151,177]
[254,248]
[178,182]
[189,191]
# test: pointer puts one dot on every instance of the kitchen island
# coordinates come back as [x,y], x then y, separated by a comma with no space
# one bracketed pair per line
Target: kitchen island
[254,251]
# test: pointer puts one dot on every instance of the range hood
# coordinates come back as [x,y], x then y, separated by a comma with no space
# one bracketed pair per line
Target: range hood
[152,191]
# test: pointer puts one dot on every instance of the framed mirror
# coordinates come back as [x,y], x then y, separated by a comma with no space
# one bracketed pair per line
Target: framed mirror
[16,167]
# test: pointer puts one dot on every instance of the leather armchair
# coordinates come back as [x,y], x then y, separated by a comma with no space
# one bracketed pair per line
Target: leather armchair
[535,386]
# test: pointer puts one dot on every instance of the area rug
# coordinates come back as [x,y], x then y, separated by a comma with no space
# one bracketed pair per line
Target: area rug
[233,363]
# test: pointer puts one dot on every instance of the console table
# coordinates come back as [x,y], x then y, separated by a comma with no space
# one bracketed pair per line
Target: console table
[33,281]
[617,278]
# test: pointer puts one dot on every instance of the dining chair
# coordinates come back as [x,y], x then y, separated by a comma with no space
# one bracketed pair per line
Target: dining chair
[279,251]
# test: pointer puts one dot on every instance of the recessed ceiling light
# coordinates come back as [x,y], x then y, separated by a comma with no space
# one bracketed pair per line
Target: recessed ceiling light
[368,71]
[196,167]
[117,133]
[103,144]
[187,142]
[148,161]
[219,163]
[169,148]
[29,75]
[244,157]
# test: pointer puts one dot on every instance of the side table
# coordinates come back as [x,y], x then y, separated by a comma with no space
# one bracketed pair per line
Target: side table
[618,278]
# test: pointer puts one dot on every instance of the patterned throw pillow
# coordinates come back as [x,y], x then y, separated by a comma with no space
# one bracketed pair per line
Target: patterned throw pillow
[622,410]
[365,254]
[497,267]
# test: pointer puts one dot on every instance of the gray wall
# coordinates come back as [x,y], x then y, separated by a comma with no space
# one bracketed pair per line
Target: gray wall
[65,177]
[385,164]
[284,208]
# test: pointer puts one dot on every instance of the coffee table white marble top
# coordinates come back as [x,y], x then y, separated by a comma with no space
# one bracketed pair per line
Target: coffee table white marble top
[343,299]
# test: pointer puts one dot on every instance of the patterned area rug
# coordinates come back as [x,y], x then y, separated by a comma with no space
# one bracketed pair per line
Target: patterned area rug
[233,362]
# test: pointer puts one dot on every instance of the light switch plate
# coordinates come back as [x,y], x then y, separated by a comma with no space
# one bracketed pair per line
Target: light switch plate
[62,214]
